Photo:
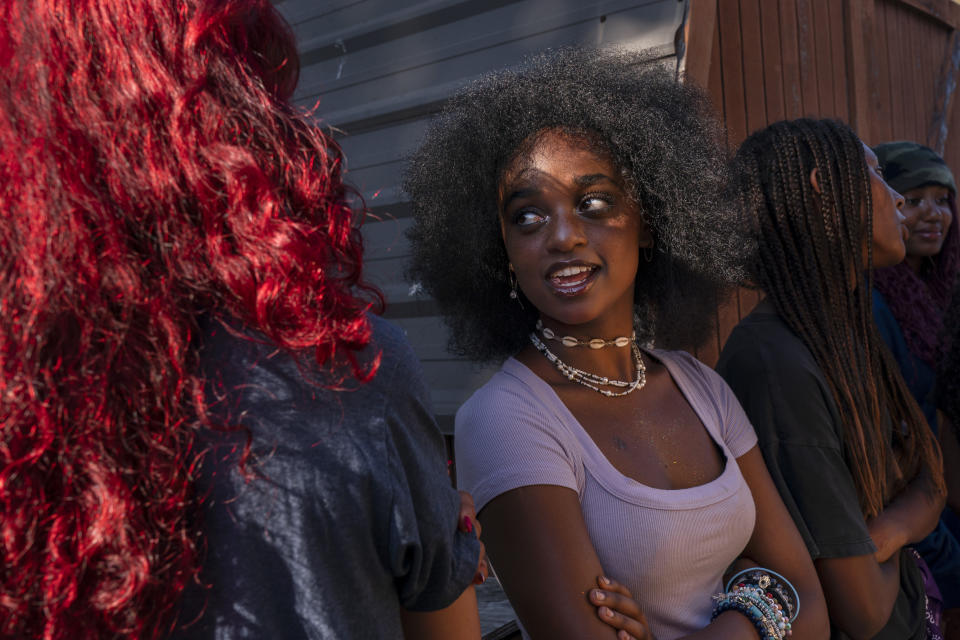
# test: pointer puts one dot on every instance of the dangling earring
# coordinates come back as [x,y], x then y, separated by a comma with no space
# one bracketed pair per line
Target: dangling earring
[513,284]
[648,252]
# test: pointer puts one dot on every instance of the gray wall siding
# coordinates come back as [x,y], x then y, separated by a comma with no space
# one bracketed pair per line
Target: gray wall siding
[378,69]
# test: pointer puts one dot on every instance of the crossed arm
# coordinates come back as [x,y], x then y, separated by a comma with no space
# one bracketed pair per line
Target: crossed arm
[537,538]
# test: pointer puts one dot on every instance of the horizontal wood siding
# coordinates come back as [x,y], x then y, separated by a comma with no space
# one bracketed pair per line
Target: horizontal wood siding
[377,70]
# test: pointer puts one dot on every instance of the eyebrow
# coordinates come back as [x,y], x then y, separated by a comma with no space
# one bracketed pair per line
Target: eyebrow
[519,193]
[591,179]
[580,181]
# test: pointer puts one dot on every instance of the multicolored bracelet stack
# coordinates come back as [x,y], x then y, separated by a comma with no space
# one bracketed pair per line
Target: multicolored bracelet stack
[765,597]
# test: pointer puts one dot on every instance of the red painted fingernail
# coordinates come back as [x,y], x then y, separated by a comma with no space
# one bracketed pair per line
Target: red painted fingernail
[479,578]
[467,524]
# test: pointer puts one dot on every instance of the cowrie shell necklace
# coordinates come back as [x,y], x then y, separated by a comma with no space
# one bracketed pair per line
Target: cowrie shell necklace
[592,380]
[595,343]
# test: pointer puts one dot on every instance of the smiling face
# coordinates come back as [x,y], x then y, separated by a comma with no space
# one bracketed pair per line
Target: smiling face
[572,233]
[928,218]
[888,229]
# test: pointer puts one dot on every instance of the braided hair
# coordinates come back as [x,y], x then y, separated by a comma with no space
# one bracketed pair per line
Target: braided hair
[812,264]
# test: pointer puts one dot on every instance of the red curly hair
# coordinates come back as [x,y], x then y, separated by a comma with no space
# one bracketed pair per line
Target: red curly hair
[152,172]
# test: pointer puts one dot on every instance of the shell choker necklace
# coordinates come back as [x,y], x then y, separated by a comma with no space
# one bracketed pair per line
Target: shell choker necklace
[595,343]
[592,380]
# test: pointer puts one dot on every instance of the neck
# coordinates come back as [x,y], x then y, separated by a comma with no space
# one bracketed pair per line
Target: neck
[611,361]
[914,262]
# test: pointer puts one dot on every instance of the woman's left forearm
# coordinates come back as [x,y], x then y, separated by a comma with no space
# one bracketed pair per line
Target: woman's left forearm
[908,518]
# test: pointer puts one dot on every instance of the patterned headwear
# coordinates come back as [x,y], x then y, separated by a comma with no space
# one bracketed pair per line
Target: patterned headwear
[908,165]
[918,301]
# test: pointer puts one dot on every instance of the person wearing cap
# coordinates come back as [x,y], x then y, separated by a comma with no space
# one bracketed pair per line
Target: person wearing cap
[909,303]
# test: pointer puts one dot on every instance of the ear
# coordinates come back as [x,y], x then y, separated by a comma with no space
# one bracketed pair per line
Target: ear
[815,180]
[646,235]
[646,238]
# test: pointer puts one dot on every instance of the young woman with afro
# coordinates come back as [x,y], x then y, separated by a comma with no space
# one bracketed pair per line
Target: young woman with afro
[567,213]
[845,442]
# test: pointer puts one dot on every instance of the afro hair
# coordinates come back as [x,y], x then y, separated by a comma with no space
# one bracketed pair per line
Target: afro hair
[661,135]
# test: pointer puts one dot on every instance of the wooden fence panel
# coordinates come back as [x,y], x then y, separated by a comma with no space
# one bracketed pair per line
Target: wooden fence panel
[822,53]
[888,67]
[790,52]
[773,67]
[754,62]
[838,58]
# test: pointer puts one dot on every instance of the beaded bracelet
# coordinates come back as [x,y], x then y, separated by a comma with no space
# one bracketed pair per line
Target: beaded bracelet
[772,612]
[757,591]
[756,617]
[764,599]
[779,587]
[763,579]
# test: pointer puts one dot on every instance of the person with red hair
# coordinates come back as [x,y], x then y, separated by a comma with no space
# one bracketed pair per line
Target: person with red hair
[204,431]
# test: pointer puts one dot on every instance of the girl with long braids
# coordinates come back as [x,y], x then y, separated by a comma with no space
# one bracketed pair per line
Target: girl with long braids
[567,212]
[909,303]
[845,442]
[203,430]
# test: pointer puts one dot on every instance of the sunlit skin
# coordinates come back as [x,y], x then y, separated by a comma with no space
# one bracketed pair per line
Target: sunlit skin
[565,209]
[928,218]
[889,231]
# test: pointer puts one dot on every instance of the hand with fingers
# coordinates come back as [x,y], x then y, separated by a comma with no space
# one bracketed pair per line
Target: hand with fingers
[617,607]
[468,523]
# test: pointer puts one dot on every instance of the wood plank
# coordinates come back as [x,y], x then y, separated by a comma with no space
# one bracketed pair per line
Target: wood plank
[807,50]
[365,83]
[823,56]
[943,11]
[790,54]
[838,57]
[772,61]
[924,93]
[895,73]
[877,50]
[731,52]
[930,60]
[915,120]
[946,90]
[916,101]
[939,56]
[952,146]
[856,32]
[698,37]
[715,82]
[753,65]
